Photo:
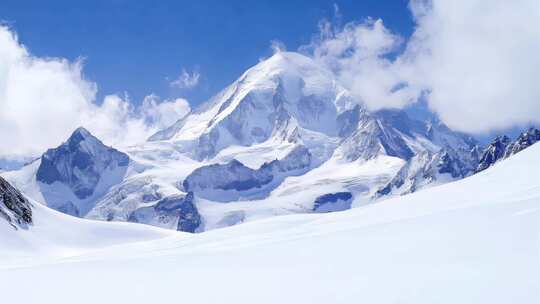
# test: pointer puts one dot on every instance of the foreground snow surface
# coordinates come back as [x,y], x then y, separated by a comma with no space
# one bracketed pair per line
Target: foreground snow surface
[472,241]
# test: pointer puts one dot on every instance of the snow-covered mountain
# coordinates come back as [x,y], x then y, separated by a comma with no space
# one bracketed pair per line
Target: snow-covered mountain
[283,98]
[79,163]
[475,240]
[83,165]
[284,138]
[71,177]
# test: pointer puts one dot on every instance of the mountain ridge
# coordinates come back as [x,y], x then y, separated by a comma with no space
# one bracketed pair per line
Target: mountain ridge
[284,138]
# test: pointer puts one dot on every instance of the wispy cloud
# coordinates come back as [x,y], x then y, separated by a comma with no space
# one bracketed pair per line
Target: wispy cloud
[277,46]
[356,53]
[186,80]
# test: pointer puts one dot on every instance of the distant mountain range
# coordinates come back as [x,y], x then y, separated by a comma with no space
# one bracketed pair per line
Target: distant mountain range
[502,147]
[284,138]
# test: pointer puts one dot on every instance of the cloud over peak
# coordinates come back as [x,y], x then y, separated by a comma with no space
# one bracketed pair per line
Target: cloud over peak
[476,61]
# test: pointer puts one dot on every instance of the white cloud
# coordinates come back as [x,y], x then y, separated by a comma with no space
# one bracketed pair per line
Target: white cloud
[186,80]
[357,53]
[117,122]
[480,60]
[163,113]
[277,46]
[477,59]
[42,100]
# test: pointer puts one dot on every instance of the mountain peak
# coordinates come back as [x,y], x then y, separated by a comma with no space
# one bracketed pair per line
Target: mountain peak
[293,60]
[284,90]
[80,163]
[82,132]
[288,66]
[289,58]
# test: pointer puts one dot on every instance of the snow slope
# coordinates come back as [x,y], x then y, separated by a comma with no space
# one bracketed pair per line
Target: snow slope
[476,240]
[56,235]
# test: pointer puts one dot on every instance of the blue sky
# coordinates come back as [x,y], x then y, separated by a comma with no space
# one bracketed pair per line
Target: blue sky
[479,75]
[135,46]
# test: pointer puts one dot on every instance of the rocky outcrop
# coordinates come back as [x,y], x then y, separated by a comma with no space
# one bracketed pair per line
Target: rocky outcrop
[332,202]
[372,138]
[14,207]
[494,152]
[179,210]
[234,180]
[523,141]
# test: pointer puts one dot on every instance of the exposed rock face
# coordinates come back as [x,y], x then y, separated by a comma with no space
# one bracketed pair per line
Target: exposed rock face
[448,155]
[524,140]
[332,202]
[448,164]
[297,159]
[372,138]
[394,133]
[179,208]
[79,163]
[502,147]
[494,152]
[231,176]
[234,180]
[14,207]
